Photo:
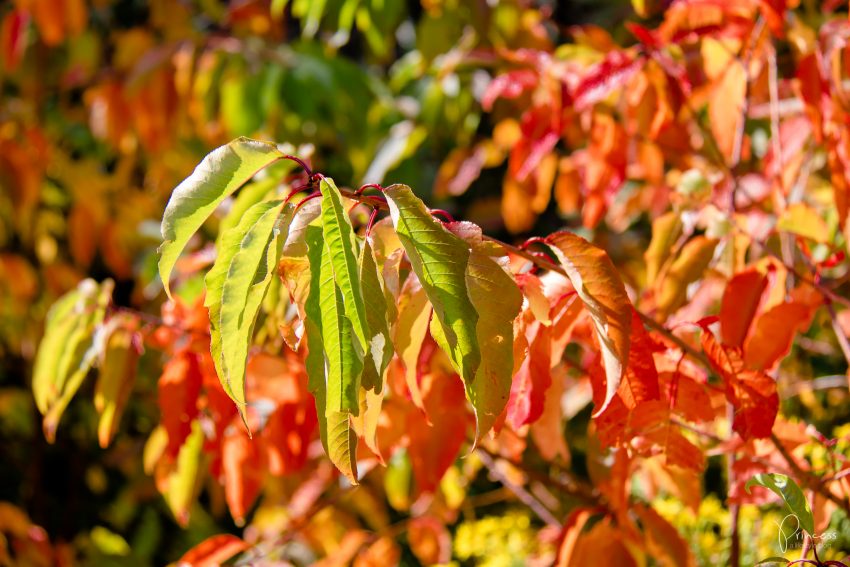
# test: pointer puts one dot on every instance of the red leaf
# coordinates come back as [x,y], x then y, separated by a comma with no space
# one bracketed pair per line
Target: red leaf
[753,393]
[509,85]
[213,551]
[739,304]
[529,386]
[773,333]
[640,381]
[602,78]
[179,388]
[434,447]
[243,470]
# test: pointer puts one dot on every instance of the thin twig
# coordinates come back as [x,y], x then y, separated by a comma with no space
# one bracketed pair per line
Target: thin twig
[521,493]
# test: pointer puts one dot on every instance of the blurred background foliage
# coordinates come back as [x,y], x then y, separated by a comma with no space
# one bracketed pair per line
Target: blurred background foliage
[108,104]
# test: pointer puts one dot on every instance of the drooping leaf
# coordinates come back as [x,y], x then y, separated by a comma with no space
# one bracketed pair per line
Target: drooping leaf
[686,269]
[342,249]
[665,230]
[243,470]
[774,331]
[251,270]
[228,245]
[380,344]
[785,487]
[178,389]
[739,304]
[602,291]
[337,436]
[117,376]
[69,349]
[751,392]
[414,314]
[498,300]
[184,480]
[343,360]
[439,260]
[221,172]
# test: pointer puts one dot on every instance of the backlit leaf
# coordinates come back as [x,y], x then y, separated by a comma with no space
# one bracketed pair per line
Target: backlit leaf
[753,393]
[69,350]
[497,299]
[336,434]
[602,291]
[221,173]
[738,307]
[342,249]
[380,344]
[439,259]
[116,378]
[251,270]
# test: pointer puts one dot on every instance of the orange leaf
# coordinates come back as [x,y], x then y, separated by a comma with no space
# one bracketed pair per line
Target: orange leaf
[604,296]
[739,304]
[429,540]
[179,388]
[528,390]
[753,393]
[663,541]
[213,551]
[726,104]
[434,447]
[570,534]
[243,470]
[773,333]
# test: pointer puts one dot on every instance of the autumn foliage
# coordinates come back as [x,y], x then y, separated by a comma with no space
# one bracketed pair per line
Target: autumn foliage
[248,334]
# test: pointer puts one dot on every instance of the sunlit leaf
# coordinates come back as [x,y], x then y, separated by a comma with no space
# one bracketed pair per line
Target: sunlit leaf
[342,249]
[221,173]
[601,290]
[439,259]
[245,284]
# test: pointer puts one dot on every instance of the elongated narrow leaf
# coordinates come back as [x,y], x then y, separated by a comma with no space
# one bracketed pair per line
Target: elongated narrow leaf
[410,330]
[498,300]
[602,291]
[380,345]
[226,248]
[339,444]
[343,361]
[117,375]
[184,479]
[221,173]
[785,487]
[342,249]
[247,280]
[439,259]
[69,349]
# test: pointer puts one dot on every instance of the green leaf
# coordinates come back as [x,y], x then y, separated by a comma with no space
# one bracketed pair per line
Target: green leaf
[600,288]
[498,300]
[251,270]
[785,487]
[343,360]
[380,345]
[184,480]
[339,443]
[439,260]
[68,350]
[228,245]
[220,173]
[342,248]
